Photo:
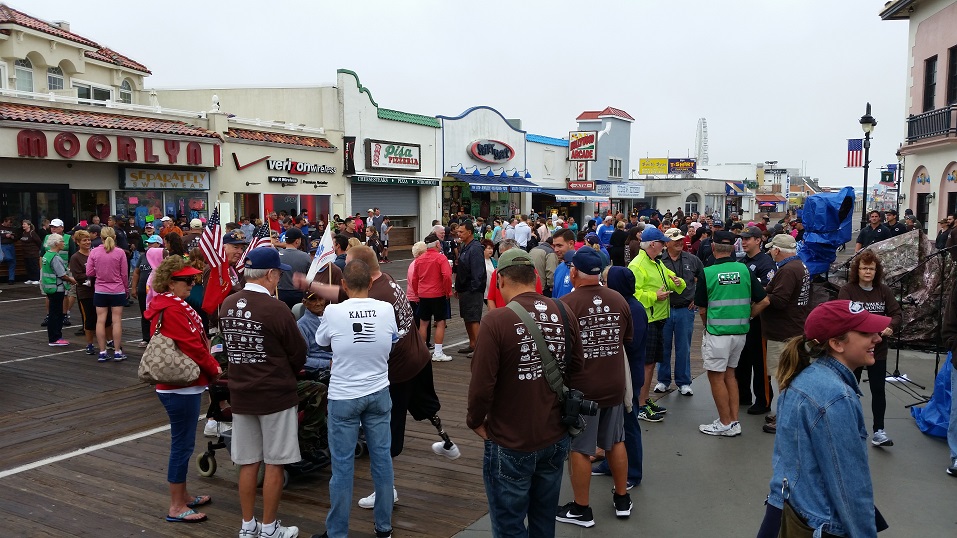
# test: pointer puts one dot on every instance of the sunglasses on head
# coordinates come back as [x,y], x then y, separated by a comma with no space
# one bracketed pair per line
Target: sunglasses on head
[186,279]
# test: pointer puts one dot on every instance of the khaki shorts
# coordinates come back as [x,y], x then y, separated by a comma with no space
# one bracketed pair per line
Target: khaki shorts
[721,352]
[775,349]
[269,438]
[602,430]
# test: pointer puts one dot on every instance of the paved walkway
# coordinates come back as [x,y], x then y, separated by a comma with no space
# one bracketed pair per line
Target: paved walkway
[696,485]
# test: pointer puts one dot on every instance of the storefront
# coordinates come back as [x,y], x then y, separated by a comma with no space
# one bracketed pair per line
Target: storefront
[397,197]
[570,201]
[484,195]
[624,197]
[733,202]
[73,163]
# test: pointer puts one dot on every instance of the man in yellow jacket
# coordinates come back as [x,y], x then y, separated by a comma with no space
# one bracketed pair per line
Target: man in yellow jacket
[654,283]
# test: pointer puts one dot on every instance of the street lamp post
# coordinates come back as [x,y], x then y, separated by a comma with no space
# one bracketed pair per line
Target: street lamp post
[900,177]
[867,124]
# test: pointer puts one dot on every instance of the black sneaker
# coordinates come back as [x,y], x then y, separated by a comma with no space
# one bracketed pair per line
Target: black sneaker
[576,515]
[465,350]
[758,409]
[622,505]
[109,344]
[67,322]
[90,350]
[383,534]
[45,322]
[653,405]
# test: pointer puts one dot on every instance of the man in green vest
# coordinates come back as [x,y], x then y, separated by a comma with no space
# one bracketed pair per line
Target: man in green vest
[730,298]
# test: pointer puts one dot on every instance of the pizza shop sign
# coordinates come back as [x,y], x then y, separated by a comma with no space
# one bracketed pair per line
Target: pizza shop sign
[34,143]
[491,151]
[384,155]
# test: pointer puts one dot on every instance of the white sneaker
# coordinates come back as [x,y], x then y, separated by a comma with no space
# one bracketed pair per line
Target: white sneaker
[717,428]
[735,429]
[280,531]
[369,502]
[440,357]
[661,387]
[450,453]
[254,533]
[686,390]
[881,439]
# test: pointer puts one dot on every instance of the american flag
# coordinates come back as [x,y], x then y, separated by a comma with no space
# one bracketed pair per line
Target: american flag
[855,149]
[260,238]
[219,283]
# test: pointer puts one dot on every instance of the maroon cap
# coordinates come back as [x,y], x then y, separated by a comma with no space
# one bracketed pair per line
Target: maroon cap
[834,318]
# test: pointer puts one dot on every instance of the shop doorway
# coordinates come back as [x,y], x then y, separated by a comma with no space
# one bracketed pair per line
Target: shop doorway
[246,204]
[24,201]
[281,203]
[88,202]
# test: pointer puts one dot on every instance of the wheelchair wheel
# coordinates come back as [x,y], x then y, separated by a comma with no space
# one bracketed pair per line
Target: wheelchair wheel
[206,464]
[361,448]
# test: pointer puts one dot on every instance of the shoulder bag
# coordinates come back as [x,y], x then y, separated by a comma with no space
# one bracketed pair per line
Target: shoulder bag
[164,363]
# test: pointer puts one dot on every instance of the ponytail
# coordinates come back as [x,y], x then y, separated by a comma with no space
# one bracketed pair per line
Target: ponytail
[797,356]
[109,238]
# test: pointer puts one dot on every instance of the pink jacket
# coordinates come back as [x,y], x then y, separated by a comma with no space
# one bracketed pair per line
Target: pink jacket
[111,270]
[409,292]
[431,275]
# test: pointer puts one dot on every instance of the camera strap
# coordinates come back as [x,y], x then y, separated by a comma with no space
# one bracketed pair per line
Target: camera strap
[553,373]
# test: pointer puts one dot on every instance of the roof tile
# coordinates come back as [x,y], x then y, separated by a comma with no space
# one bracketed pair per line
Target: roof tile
[417,119]
[280,138]
[115,58]
[608,111]
[82,118]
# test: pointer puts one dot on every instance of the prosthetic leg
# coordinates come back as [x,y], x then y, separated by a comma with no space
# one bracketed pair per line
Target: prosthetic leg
[445,447]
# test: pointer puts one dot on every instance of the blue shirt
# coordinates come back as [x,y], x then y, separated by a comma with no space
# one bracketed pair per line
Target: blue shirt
[317,357]
[821,449]
[563,281]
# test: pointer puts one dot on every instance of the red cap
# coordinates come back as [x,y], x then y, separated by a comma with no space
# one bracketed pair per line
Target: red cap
[834,318]
[186,271]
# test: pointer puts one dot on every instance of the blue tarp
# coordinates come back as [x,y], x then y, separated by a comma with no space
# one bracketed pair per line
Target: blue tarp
[934,417]
[827,219]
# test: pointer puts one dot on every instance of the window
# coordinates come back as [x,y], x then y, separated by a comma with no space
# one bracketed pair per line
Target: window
[126,93]
[23,70]
[3,75]
[691,204]
[930,82]
[952,75]
[614,167]
[54,78]
[95,93]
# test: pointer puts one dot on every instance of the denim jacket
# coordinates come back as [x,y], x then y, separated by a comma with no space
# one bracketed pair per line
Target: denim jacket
[821,449]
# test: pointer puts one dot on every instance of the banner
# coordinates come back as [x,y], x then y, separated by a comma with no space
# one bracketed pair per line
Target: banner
[653,167]
[348,155]
[682,166]
[887,178]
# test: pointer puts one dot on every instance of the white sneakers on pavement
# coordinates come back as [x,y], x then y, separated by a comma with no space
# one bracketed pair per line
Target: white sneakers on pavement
[450,453]
[719,429]
[686,390]
[661,388]
[369,502]
[440,357]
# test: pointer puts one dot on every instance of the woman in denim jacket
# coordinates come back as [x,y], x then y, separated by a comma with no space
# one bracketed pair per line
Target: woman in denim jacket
[820,452]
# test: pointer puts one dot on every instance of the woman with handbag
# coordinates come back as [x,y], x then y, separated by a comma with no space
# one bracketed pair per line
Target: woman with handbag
[820,476]
[173,318]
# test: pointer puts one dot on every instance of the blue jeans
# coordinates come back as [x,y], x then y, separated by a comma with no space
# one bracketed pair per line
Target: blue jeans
[373,413]
[523,484]
[10,256]
[182,410]
[952,426]
[678,328]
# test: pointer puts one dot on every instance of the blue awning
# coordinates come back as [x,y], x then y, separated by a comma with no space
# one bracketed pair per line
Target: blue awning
[496,183]
[520,184]
[592,196]
[562,195]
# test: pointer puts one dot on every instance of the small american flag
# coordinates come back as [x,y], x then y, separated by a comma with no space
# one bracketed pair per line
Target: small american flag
[219,283]
[855,149]
[260,238]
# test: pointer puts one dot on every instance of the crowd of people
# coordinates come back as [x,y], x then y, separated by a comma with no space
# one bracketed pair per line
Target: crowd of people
[561,319]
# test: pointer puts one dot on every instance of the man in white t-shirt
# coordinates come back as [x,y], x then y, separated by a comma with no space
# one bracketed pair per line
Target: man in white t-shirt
[523,232]
[361,332]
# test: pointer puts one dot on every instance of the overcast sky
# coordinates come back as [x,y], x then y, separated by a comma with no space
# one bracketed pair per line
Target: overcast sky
[783,80]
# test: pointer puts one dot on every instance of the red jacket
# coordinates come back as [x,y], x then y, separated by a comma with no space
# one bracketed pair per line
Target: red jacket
[183,325]
[431,275]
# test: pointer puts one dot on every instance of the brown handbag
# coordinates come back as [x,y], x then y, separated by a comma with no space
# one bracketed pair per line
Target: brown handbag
[164,363]
[792,526]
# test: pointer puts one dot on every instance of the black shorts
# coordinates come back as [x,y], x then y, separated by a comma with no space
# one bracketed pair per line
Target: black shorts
[416,397]
[385,244]
[654,342]
[109,300]
[471,304]
[88,312]
[432,308]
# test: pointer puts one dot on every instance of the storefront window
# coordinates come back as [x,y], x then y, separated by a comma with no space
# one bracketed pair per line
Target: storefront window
[317,205]
[281,202]
[139,204]
[247,205]
[192,205]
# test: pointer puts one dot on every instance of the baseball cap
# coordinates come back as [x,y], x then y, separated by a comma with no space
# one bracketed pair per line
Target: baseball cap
[891,212]
[369,211]
[196,223]
[94,228]
[674,234]
[722,237]
[717,224]
[189,270]
[164,219]
[592,239]
[653,234]
[292,234]
[514,256]
[265,258]
[834,318]
[588,261]
[154,239]
[149,225]
[235,237]
[56,222]
[784,241]
[737,225]
[751,231]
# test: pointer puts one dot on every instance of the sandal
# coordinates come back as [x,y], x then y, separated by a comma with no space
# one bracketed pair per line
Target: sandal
[199,500]
[184,517]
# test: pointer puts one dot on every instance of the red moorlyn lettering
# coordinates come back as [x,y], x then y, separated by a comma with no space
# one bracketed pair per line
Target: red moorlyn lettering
[33,143]
[67,145]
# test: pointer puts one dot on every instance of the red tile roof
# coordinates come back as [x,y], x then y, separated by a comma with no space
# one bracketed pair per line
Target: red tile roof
[8,15]
[82,118]
[280,138]
[608,111]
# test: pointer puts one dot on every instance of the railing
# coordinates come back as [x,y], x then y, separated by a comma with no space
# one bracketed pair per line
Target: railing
[930,124]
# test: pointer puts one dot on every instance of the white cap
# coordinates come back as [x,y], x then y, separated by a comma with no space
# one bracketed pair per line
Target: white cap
[164,219]
[56,222]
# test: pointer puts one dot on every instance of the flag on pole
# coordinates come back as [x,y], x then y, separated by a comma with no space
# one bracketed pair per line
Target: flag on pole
[855,150]
[219,283]
[260,238]
[324,254]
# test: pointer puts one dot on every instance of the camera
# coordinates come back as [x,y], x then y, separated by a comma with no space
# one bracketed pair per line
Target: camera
[573,407]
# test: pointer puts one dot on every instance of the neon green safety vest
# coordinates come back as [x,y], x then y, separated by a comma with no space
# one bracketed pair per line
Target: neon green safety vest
[729,298]
[48,279]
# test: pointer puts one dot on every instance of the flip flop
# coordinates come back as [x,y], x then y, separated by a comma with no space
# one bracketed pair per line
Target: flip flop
[182,518]
[200,500]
